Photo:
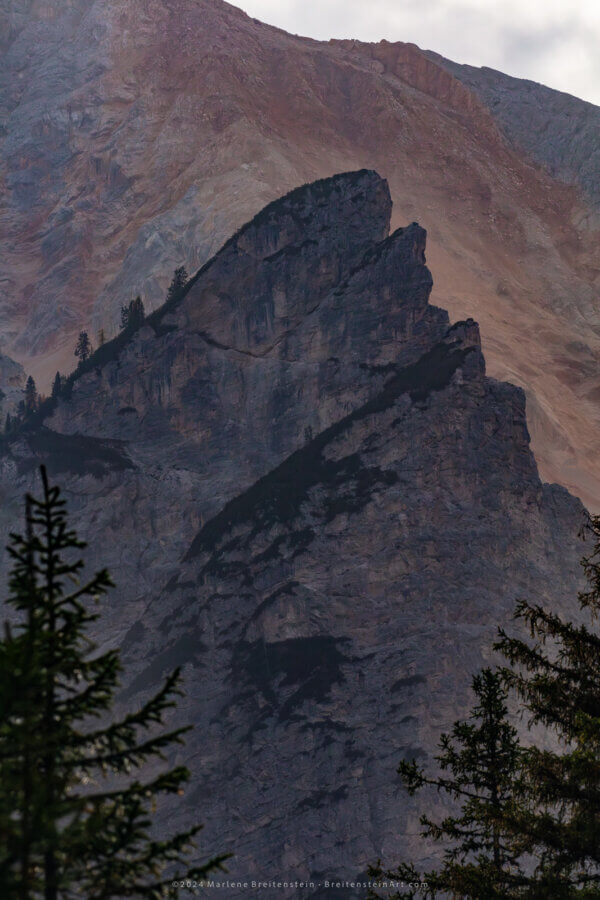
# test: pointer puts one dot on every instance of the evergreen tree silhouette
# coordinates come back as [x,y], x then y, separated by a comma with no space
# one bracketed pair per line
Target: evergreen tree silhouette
[56,386]
[75,811]
[556,676]
[83,348]
[480,765]
[31,396]
[178,282]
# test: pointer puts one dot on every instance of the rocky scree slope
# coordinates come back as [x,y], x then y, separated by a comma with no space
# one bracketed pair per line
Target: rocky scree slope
[136,138]
[557,130]
[314,499]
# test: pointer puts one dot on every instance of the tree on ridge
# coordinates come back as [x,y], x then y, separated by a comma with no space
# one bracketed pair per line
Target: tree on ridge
[83,348]
[178,282]
[57,386]
[31,396]
[133,315]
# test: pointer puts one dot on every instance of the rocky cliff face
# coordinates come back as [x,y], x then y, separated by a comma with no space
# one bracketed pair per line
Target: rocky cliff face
[315,500]
[136,138]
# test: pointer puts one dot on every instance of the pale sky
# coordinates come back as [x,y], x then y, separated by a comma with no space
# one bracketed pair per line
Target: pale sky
[555,42]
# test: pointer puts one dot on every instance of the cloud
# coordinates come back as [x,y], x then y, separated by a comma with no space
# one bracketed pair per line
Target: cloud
[549,41]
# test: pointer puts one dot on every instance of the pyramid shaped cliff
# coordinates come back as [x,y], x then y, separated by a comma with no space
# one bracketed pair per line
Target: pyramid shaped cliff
[314,500]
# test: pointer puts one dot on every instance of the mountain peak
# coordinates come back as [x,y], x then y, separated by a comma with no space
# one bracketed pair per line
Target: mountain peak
[319,506]
[360,200]
[141,140]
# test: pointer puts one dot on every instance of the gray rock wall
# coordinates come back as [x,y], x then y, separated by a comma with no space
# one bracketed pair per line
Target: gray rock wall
[315,501]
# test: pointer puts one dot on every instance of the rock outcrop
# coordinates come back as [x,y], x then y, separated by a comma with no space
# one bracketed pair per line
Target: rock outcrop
[316,501]
[134,140]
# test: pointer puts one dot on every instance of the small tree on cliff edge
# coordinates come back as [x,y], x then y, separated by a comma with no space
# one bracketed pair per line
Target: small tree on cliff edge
[83,348]
[481,757]
[57,385]
[133,315]
[178,282]
[31,396]
[137,313]
[62,833]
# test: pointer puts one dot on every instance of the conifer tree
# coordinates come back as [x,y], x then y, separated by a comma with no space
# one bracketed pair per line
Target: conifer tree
[56,386]
[133,315]
[136,314]
[124,317]
[178,282]
[31,396]
[75,811]
[8,424]
[479,762]
[556,674]
[83,348]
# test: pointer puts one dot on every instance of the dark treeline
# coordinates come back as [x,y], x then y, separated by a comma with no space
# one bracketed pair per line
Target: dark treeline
[34,406]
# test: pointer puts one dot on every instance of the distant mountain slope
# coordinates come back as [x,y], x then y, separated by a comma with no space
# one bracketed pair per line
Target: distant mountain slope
[135,139]
[313,499]
[557,130]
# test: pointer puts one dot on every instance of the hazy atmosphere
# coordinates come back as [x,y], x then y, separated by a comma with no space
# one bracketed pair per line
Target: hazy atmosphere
[550,41]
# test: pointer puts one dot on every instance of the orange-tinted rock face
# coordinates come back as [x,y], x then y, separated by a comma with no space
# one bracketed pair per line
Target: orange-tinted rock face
[137,137]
